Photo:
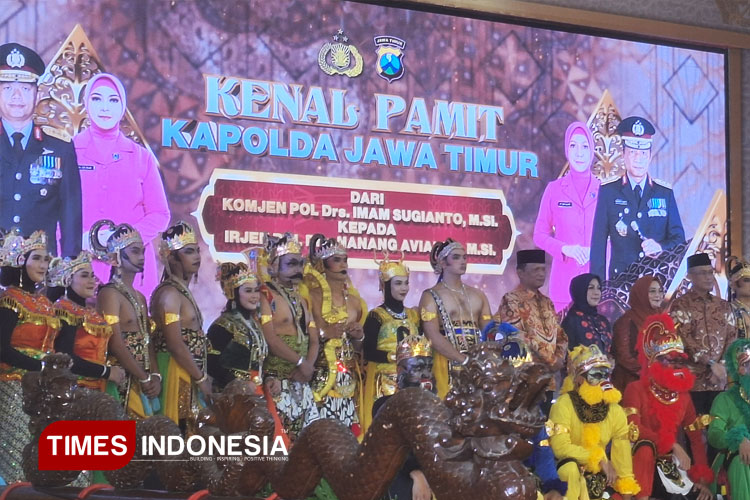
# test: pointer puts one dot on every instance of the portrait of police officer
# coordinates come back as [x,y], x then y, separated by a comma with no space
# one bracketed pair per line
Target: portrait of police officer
[636,214]
[40,187]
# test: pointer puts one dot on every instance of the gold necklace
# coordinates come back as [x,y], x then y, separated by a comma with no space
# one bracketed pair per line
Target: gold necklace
[464,343]
[663,395]
[743,394]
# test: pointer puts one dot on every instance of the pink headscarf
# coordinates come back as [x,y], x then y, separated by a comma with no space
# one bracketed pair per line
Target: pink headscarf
[106,80]
[580,128]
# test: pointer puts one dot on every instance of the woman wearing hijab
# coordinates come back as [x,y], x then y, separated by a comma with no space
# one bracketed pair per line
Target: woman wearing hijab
[566,214]
[120,179]
[583,324]
[646,297]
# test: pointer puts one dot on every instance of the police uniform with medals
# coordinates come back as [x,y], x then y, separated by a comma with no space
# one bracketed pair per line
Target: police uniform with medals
[627,219]
[39,184]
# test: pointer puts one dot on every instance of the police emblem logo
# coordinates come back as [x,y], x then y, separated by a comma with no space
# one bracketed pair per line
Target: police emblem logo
[638,128]
[15,59]
[390,62]
[340,57]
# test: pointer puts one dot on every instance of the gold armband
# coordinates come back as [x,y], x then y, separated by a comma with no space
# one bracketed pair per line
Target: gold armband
[554,429]
[700,423]
[312,324]
[629,410]
[486,317]
[633,432]
[265,318]
[427,315]
[111,319]
[170,318]
[544,442]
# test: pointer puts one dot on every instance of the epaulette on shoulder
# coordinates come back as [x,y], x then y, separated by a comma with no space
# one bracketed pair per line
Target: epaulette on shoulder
[56,133]
[610,181]
[662,183]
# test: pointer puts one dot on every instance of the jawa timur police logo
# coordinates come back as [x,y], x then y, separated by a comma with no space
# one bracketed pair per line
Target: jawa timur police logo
[340,58]
[390,51]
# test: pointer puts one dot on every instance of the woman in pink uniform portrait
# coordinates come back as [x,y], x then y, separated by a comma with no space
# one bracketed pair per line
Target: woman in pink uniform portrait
[120,179]
[566,215]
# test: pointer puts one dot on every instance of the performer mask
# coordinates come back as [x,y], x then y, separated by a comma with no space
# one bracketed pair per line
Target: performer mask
[105,102]
[671,372]
[595,387]
[416,372]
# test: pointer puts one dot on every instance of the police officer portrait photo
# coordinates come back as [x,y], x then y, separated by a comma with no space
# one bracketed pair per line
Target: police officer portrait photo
[39,180]
[636,215]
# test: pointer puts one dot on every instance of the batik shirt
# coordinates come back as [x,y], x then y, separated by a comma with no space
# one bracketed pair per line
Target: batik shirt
[707,326]
[534,314]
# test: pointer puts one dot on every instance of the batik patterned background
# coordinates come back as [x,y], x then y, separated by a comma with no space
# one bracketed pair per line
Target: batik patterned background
[543,79]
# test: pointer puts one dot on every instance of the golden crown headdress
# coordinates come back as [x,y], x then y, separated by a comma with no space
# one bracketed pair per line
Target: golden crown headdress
[440,251]
[279,246]
[231,276]
[177,236]
[413,345]
[15,247]
[659,337]
[737,268]
[321,248]
[388,269]
[61,270]
[583,358]
[120,237]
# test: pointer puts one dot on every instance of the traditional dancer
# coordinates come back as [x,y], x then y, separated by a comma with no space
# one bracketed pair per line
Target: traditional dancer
[453,314]
[729,430]
[739,287]
[179,339]
[413,358]
[339,312]
[657,406]
[84,333]
[125,310]
[584,422]
[28,329]
[382,327]
[291,335]
[237,348]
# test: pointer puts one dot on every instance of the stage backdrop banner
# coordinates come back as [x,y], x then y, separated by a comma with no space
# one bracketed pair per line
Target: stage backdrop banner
[386,127]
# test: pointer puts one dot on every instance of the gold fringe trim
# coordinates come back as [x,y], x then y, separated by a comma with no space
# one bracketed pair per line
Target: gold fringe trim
[27,316]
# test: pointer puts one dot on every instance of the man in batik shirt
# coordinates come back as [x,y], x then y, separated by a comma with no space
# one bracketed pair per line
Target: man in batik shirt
[707,327]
